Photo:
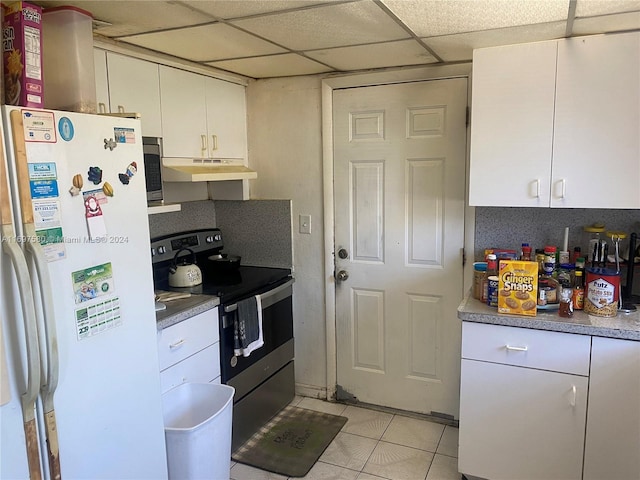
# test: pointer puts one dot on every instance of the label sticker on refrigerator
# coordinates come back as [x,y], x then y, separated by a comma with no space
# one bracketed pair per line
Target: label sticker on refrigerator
[124,135]
[65,127]
[92,282]
[46,215]
[43,180]
[98,318]
[39,126]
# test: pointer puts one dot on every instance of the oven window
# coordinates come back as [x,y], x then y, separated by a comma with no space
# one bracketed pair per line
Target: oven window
[277,329]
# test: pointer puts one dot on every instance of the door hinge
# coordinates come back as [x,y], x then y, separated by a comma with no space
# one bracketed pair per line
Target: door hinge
[468,116]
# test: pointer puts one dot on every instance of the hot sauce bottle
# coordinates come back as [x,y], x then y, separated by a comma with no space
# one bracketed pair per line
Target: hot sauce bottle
[578,292]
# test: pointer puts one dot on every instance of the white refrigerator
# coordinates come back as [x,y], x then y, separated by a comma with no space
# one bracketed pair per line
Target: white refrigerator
[80,389]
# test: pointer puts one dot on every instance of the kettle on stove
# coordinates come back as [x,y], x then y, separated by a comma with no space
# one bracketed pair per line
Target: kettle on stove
[184,274]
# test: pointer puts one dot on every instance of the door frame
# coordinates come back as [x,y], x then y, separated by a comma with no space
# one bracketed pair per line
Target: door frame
[329,84]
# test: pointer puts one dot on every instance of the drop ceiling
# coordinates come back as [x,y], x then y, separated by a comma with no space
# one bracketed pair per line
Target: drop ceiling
[275,38]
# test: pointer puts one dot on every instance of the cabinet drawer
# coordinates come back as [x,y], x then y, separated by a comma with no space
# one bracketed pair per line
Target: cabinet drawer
[559,352]
[179,341]
[202,367]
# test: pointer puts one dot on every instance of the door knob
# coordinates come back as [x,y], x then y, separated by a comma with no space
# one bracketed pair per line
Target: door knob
[342,275]
[342,253]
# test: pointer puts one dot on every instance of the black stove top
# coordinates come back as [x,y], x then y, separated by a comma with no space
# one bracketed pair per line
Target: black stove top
[230,285]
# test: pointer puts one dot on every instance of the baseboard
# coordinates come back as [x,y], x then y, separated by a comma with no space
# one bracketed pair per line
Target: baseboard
[312,391]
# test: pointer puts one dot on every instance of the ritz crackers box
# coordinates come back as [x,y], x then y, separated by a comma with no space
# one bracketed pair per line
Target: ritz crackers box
[518,287]
[22,54]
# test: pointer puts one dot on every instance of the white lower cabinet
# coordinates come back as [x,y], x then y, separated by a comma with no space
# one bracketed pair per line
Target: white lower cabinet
[522,417]
[189,351]
[612,448]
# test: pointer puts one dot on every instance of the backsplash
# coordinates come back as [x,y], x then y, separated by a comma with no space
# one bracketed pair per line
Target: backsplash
[193,215]
[509,227]
[260,231]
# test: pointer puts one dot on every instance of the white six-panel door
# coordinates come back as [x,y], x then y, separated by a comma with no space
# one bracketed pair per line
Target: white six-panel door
[399,179]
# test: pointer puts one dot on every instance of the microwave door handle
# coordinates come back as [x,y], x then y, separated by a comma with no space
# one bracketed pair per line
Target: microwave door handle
[266,299]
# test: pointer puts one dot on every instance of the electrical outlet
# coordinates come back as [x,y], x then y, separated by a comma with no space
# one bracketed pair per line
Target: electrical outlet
[305,224]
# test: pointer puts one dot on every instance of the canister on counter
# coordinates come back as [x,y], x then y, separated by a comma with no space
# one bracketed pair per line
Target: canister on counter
[602,292]
[479,271]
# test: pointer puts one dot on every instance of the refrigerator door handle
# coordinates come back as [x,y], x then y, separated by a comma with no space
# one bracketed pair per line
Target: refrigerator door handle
[50,380]
[29,397]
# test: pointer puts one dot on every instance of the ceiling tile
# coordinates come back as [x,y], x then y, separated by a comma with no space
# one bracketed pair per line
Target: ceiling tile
[607,23]
[128,17]
[289,64]
[328,26]
[443,17]
[591,8]
[392,54]
[452,48]
[234,8]
[209,42]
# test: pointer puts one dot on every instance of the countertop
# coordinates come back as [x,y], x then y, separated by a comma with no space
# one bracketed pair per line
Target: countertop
[624,325]
[184,308]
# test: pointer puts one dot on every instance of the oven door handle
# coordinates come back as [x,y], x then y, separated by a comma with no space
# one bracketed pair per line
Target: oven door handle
[268,298]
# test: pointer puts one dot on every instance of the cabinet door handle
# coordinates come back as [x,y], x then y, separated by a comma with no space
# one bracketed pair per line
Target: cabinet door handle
[563,188]
[177,344]
[536,188]
[102,107]
[574,394]
[120,109]
[214,139]
[517,349]
[204,147]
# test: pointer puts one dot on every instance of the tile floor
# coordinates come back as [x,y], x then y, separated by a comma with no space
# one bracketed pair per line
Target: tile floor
[375,445]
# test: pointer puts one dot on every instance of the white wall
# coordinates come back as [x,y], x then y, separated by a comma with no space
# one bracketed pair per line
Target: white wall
[285,147]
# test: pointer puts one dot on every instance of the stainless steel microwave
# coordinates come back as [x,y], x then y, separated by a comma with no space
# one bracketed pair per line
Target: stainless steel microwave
[153,168]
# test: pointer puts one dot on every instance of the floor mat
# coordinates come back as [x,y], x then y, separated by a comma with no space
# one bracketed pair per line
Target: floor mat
[291,442]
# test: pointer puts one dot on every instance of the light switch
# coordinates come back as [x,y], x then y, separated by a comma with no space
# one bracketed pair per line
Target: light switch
[305,223]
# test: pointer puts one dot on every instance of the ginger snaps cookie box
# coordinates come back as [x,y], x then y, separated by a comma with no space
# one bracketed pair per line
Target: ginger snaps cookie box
[518,287]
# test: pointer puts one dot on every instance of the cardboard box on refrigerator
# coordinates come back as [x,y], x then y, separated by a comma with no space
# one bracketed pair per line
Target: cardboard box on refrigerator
[22,54]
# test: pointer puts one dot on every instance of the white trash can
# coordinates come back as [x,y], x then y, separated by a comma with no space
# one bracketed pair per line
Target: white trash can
[197,426]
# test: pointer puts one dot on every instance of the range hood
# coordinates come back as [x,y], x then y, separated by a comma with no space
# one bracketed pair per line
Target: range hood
[205,169]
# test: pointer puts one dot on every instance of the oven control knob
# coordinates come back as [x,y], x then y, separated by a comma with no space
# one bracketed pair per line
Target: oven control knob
[234,361]
[209,239]
[162,250]
[217,237]
[153,252]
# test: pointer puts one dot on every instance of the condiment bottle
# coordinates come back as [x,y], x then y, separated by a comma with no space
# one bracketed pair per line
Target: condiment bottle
[491,280]
[546,281]
[526,253]
[578,292]
[566,306]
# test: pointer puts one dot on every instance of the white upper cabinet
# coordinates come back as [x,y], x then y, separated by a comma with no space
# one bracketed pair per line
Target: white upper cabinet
[202,117]
[555,124]
[134,87]
[102,80]
[596,146]
[128,85]
[512,125]
[226,119]
[184,113]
